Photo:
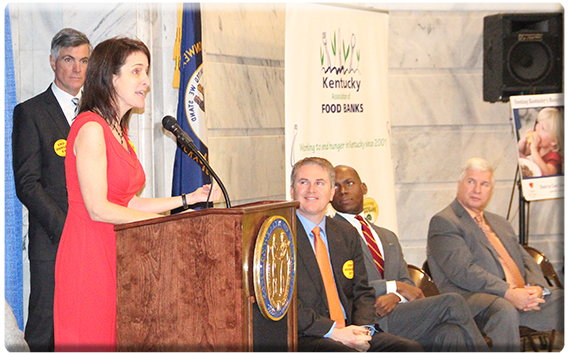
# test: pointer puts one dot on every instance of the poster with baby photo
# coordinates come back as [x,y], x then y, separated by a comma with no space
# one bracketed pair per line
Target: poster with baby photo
[539,125]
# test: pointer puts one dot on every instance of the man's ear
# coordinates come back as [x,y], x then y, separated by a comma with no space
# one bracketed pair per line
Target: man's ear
[364,188]
[52,62]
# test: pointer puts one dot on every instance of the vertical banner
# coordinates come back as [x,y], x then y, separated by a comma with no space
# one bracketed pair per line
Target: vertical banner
[336,97]
[189,173]
[539,123]
[13,265]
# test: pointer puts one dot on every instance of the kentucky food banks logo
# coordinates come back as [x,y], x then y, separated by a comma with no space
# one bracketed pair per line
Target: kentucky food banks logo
[342,59]
[340,62]
[274,267]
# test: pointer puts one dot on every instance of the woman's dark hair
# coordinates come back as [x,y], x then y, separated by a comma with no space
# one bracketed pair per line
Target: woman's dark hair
[99,94]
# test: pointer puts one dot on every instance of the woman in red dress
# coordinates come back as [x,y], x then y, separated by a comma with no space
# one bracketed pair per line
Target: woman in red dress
[103,175]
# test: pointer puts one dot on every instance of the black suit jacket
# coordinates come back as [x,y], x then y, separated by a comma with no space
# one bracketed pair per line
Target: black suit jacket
[39,172]
[356,296]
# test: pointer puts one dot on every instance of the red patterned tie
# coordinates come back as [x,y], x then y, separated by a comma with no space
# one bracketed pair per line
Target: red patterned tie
[372,245]
[335,308]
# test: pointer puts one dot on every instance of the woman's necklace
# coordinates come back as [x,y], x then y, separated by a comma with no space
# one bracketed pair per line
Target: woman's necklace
[121,134]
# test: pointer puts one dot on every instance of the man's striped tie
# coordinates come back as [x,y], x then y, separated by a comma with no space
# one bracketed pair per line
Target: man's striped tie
[372,245]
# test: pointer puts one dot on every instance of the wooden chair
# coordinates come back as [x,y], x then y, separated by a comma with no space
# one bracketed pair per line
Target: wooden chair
[425,267]
[422,281]
[527,334]
[545,266]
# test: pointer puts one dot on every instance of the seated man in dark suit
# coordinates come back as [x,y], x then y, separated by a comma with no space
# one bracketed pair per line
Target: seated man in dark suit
[335,304]
[438,323]
[475,253]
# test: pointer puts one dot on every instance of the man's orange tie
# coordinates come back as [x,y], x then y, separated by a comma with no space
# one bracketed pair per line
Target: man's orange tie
[372,245]
[335,309]
[512,273]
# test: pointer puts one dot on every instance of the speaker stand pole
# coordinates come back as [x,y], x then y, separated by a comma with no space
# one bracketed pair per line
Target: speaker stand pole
[523,208]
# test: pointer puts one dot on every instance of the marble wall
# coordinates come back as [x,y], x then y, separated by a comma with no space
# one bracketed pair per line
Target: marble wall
[437,113]
[439,120]
[244,51]
[438,116]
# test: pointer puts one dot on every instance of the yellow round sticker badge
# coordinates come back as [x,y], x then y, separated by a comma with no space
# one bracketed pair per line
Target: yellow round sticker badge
[348,269]
[59,147]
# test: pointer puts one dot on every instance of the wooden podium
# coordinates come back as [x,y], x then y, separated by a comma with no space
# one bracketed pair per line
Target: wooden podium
[185,282]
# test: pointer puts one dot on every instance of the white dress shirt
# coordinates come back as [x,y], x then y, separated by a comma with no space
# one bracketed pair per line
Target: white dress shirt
[391,286]
[65,102]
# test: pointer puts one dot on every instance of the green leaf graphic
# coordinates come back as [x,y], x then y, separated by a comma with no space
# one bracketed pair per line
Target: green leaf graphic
[334,45]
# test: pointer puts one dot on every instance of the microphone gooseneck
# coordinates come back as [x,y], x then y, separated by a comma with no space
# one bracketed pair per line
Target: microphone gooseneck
[170,124]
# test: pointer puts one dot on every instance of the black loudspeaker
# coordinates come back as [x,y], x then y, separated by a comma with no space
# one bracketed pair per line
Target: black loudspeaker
[522,54]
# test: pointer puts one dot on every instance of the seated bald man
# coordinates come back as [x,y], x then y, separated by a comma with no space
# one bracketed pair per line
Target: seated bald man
[438,323]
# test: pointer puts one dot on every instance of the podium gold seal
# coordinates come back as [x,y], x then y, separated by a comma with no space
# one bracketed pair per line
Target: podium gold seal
[274,268]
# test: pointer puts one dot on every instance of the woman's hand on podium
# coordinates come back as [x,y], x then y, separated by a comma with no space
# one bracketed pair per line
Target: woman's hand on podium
[201,193]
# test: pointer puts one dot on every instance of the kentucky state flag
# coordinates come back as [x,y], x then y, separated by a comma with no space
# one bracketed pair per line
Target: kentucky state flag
[189,173]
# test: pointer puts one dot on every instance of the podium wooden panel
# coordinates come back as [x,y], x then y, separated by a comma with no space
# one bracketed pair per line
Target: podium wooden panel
[185,283]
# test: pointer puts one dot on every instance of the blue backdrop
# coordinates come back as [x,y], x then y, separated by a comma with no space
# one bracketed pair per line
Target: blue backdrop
[13,267]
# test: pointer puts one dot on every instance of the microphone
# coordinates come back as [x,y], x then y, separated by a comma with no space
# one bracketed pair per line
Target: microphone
[170,124]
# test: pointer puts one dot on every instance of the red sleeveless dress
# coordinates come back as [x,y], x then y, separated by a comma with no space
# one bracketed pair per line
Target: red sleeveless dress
[85,304]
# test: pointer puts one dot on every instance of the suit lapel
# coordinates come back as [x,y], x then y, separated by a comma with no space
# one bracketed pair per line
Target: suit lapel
[336,246]
[306,253]
[368,259]
[387,249]
[55,112]
[498,230]
[472,227]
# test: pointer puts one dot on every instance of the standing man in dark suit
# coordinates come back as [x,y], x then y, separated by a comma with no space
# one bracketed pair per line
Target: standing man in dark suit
[335,303]
[446,324]
[475,253]
[41,126]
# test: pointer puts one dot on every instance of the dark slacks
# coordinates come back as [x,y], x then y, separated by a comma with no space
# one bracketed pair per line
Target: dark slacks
[39,327]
